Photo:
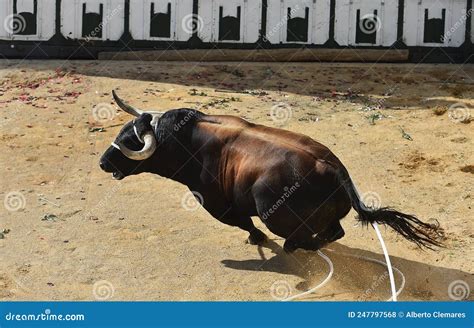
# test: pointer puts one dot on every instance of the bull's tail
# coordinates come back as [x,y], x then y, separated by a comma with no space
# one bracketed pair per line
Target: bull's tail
[409,226]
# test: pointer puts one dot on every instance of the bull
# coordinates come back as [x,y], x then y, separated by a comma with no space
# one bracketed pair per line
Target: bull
[295,185]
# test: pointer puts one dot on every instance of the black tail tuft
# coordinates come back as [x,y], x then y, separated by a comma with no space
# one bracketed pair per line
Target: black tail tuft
[409,226]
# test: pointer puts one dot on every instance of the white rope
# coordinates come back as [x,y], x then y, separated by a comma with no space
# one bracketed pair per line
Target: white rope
[324,282]
[402,285]
[113,144]
[387,264]
[387,261]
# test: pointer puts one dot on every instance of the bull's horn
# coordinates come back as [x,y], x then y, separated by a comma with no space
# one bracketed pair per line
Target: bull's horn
[126,107]
[140,155]
[131,110]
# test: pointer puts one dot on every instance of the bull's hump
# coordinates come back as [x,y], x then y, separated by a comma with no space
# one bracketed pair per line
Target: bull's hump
[231,127]
[226,121]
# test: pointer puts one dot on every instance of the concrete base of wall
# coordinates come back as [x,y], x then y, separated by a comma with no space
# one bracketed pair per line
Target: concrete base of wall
[264,55]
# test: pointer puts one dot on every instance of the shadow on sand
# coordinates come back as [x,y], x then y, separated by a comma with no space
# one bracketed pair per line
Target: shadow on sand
[365,84]
[354,278]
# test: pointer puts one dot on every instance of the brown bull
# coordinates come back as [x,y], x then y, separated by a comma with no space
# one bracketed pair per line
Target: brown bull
[297,186]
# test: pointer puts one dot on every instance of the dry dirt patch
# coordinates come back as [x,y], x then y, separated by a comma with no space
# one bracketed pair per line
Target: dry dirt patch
[77,227]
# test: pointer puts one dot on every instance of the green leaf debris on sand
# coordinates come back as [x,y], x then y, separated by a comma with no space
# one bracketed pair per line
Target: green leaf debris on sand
[405,135]
[50,218]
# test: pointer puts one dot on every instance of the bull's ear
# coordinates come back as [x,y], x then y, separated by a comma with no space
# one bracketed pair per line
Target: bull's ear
[143,122]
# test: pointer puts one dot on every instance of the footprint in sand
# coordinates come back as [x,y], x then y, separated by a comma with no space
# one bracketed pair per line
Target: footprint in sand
[468,169]
[5,287]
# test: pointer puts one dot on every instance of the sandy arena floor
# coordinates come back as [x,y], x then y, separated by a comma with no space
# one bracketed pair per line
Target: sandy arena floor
[70,232]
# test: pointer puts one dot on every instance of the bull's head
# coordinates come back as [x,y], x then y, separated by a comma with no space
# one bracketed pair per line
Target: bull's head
[134,146]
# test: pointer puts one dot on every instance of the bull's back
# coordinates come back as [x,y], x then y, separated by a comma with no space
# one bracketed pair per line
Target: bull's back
[263,138]
[240,153]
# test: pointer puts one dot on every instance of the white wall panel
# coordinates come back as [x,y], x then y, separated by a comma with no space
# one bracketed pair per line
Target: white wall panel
[383,29]
[45,19]
[181,19]
[318,20]
[444,25]
[112,18]
[454,22]
[250,19]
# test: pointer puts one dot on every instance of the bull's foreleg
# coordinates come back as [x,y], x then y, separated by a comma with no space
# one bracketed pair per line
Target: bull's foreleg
[256,236]
[222,211]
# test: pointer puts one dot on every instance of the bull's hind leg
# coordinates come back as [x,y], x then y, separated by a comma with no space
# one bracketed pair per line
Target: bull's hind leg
[337,232]
[317,240]
[290,246]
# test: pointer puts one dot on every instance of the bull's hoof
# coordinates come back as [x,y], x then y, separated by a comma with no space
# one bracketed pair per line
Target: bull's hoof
[289,246]
[336,235]
[256,237]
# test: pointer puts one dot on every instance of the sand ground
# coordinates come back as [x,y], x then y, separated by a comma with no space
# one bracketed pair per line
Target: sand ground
[71,232]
